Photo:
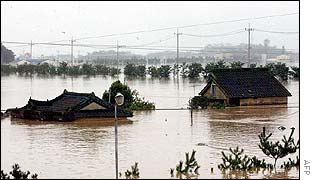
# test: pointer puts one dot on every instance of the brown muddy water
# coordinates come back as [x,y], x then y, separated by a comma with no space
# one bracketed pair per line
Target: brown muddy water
[157,139]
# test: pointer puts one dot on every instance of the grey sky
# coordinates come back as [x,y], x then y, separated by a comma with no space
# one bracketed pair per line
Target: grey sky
[45,21]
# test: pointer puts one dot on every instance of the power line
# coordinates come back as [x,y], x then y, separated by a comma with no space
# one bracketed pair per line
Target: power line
[155,42]
[216,35]
[187,26]
[278,32]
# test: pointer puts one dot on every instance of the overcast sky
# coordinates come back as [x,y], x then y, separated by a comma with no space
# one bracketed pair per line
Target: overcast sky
[53,21]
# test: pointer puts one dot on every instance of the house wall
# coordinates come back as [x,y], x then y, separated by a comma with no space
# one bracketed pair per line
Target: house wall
[263,101]
[219,93]
[93,106]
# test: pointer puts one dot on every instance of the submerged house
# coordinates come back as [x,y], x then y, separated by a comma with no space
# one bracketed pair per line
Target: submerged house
[245,86]
[69,106]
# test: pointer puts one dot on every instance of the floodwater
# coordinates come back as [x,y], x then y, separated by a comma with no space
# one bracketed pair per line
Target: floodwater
[156,139]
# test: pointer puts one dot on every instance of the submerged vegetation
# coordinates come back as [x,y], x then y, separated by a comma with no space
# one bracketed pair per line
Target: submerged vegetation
[189,168]
[131,98]
[133,173]
[17,173]
[276,149]
[192,71]
[234,163]
[237,161]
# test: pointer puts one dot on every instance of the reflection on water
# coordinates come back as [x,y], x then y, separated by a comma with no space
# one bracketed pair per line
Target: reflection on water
[157,139]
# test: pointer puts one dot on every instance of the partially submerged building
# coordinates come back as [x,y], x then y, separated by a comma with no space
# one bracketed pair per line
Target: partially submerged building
[69,106]
[245,86]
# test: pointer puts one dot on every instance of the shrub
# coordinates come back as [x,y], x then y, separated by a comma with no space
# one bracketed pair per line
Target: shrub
[199,101]
[133,173]
[277,150]
[190,167]
[236,161]
[17,173]
[218,105]
[132,101]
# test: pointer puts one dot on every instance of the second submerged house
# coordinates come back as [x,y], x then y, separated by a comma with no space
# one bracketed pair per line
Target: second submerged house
[69,106]
[245,86]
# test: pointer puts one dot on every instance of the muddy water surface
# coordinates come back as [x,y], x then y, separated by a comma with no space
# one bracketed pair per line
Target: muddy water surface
[157,139]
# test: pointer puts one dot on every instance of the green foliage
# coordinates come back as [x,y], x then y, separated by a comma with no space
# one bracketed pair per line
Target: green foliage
[139,103]
[211,66]
[26,69]
[291,163]
[116,87]
[114,71]
[280,70]
[277,150]
[237,161]
[74,70]
[217,105]
[17,173]
[172,172]
[7,69]
[133,70]
[236,65]
[62,69]
[102,69]
[295,73]
[88,69]
[184,70]
[133,173]
[164,71]
[199,101]
[6,55]
[194,70]
[153,71]
[190,167]
[175,69]
[132,99]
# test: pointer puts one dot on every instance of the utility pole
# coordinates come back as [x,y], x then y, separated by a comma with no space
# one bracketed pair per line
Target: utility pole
[31,53]
[177,47]
[118,54]
[248,51]
[72,51]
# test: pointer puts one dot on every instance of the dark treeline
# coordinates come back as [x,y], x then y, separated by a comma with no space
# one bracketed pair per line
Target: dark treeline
[185,70]
[196,70]
[62,69]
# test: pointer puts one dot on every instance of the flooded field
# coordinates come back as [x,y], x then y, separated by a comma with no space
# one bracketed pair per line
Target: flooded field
[157,139]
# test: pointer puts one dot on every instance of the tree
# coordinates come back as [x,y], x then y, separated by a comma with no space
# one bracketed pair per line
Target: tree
[6,55]
[130,70]
[211,66]
[280,70]
[17,173]
[63,68]
[184,70]
[153,71]
[194,70]
[236,65]
[295,72]
[277,150]
[132,99]
[88,69]
[164,71]
[199,101]
[116,87]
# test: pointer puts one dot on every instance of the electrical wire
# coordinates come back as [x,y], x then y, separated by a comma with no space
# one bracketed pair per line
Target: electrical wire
[186,26]
[277,32]
[216,35]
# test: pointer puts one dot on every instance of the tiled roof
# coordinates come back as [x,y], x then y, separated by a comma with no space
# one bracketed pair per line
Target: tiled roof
[246,82]
[72,101]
